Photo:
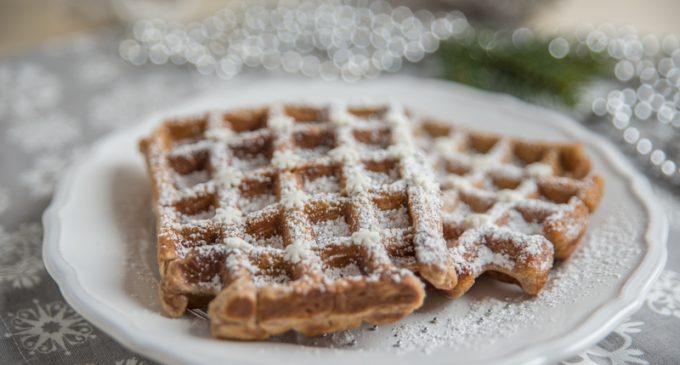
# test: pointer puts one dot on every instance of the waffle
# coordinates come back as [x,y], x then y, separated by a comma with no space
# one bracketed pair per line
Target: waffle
[510,207]
[295,217]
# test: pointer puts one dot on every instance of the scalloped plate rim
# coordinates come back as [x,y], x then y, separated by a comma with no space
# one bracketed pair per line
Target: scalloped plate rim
[593,328]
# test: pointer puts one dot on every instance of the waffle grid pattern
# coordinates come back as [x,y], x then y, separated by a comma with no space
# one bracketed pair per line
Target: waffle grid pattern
[316,218]
[509,207]
[233,188]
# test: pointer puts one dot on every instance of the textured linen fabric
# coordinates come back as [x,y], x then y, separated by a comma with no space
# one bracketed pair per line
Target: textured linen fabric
[58,99]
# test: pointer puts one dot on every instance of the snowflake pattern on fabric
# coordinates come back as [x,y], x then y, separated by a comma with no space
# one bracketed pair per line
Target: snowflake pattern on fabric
[5,200]
[45,171]
[664,298]
[48,328]
[125,361]
[26,90]
[107,93]
[622,354]
[44,133]
[41,177]
[122,105]
[20,260]
[670,203]
[131,361]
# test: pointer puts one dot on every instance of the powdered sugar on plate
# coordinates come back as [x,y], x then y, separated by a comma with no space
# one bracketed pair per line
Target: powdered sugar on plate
[607,248]
[483,317]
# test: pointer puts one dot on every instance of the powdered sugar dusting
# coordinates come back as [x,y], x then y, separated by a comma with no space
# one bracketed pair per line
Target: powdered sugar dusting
[269,280]
[257,202]
[485,317]
[330,230]
[311,153]
[254,185]
[492,197]
[191,179]
[228,215]
[608,248]
[356,182]
[366,237]
[323,184]
[285,159]
[294,199]
[274,241]
[249,162]
[298,251]
[200,216]
[539,169]
[219,134]
[344,154]
[351,270]
[517,223]
[383,178]
[394,218]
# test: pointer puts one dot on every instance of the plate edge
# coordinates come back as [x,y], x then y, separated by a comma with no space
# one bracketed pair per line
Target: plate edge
[657,231]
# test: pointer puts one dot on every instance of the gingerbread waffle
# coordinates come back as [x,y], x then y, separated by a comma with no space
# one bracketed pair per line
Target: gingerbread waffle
[509,206]
[295,217]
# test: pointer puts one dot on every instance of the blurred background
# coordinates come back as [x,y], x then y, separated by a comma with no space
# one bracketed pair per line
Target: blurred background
[24,24]
[613,65]
[72,71]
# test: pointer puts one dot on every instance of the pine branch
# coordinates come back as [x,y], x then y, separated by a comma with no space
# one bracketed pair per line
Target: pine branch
[527,71]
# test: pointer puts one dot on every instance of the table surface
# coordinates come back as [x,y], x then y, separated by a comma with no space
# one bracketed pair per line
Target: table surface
[56,100]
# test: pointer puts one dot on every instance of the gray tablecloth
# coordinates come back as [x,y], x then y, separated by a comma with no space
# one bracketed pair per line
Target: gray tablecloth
[56,100]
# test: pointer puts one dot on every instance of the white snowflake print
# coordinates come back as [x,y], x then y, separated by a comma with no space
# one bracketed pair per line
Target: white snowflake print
[26,90]
[623,354]
[20,259]
[5,200]
[128,361]
[123,105]
[42,176]
[23,274]
[664,298]
[669,201]
[48,328]
[131,361]
[47,132]
[98,70]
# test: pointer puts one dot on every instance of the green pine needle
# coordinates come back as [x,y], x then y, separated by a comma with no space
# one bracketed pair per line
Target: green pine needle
[527,71]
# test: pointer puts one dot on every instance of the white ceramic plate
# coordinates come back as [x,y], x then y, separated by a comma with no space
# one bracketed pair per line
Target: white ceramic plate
[99,247]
